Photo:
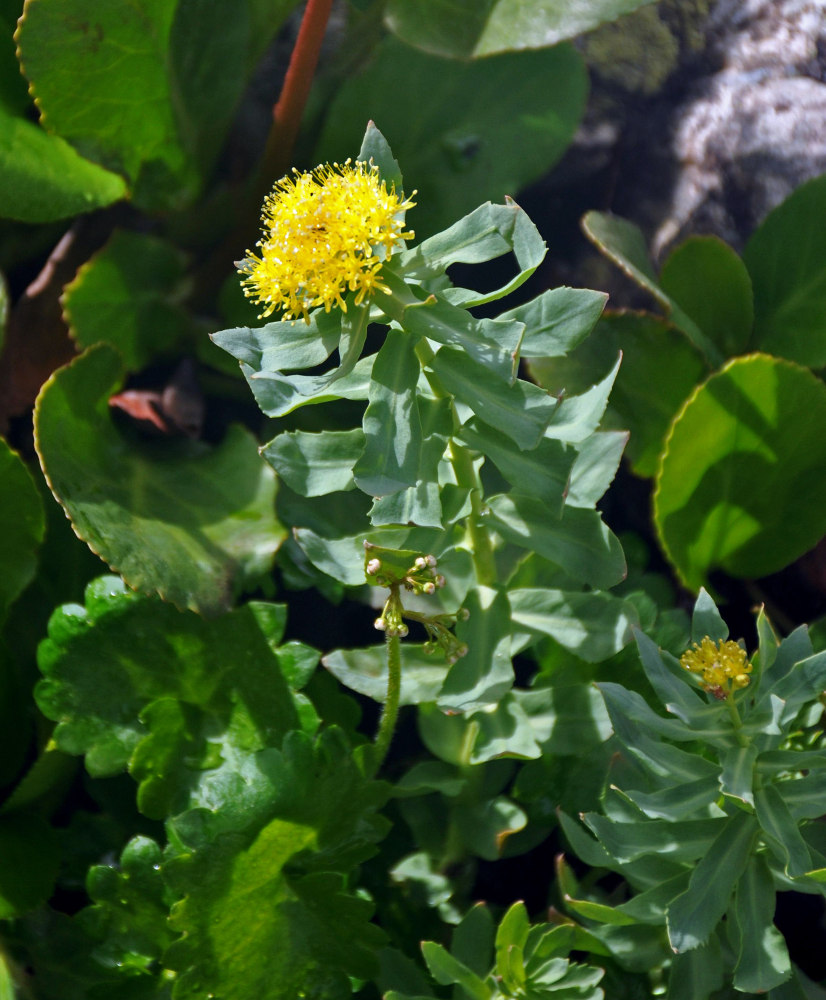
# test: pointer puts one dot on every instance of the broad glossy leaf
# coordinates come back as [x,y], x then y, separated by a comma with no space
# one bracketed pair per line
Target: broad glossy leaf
[557,320]
[763,961]
[466,28]
[520,410]
[392,424]
[416,505]
[192,522]
[315,464]
[365,671]
[187,61]
[132,682]
[24,520]
[503,730]
[711,284]
[125,296]
[624,243]
[785,260]
[43,178]
[266,909]
[693,916]
[565,719]
[740,487]
[594,626]
[579,542]
[463,133]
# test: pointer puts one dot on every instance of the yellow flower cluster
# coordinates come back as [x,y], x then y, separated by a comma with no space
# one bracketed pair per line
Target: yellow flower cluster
[723,665]
[325,233]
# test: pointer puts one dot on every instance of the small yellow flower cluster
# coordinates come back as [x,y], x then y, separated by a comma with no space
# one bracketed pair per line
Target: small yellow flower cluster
[325,233]
[723,665]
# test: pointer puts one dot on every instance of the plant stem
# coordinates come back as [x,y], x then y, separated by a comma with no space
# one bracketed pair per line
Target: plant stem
[289,109]
[736,721]
[391,705]
[481,548]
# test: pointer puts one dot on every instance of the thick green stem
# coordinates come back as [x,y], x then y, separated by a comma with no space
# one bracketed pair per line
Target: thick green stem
[736,721]
[481,547]
[391,706]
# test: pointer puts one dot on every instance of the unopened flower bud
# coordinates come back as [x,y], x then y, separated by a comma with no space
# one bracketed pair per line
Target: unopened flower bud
[380,624]
[431,561]
[373,566]
[439,581]
[429,588]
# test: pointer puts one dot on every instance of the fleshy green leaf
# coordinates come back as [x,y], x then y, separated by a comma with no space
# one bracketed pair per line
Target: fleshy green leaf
[392,425]
[557,320]
[520,410]
[763,962]
[697,974]
[191,522]
[659,370]
[21,511]
[283,345]
[365,671]
[783,832]
[740,486]
[472,28]
[125,296]
[594,626]
[463,133]
[785,260]
[315,464]
[578,542]
[543,472]
[375,149]
[484,675]
[693,916]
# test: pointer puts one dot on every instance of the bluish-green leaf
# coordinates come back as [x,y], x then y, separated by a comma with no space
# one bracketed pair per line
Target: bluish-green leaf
[783,832]
[543,472]
[520,410]
[315,464]
[447,971]
[557,320]
[578,542]
[597,460]
[706,620]
[577,417]
[737,777]
[484,675]
[284,345]
[763,960]
[697,974]
[375,149]
[365,671]
[392,426]
[595,626]
[693,916]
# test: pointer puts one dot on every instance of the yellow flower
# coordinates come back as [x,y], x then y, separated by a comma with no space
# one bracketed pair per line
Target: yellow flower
[325,233]
[723,665]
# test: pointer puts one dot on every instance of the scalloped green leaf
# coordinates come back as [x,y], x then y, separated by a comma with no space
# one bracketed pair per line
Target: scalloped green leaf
[785,258]
[187,61]
[134,683]
[125,296]
[468,28]
[194,523]
[463,133]
[22,508]
[43,178]
[266,912]
[741,486]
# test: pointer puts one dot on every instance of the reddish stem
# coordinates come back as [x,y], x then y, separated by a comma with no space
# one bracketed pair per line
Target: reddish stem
[288,111]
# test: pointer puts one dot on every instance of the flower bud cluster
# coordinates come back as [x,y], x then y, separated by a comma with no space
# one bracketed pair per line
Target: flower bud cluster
[723,665]
[419,578]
